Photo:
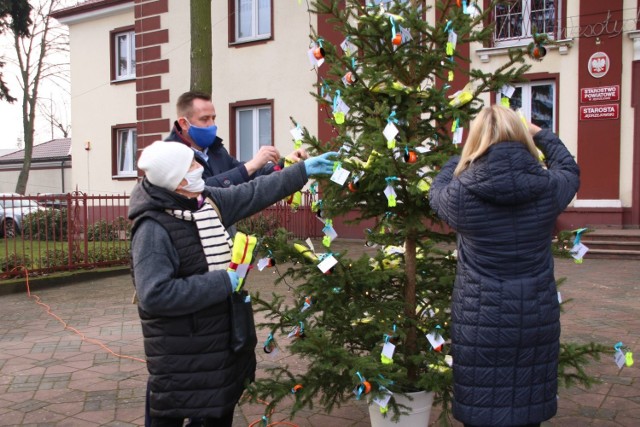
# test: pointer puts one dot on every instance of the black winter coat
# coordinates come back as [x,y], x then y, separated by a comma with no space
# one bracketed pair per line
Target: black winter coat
[505,311]
[206,377]
[184,309]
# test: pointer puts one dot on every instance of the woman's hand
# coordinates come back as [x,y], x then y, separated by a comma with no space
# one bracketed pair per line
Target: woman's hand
[533,129]
[320,165]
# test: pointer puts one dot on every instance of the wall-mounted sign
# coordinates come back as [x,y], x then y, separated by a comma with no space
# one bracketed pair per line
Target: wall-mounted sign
[602,93]
[598,64]
[600,112]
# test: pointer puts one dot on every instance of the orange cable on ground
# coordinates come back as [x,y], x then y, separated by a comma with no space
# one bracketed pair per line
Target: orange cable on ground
[66,326]
[104,346]
[263,422]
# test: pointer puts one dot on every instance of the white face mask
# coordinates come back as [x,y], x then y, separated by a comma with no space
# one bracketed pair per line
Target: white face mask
[195,183]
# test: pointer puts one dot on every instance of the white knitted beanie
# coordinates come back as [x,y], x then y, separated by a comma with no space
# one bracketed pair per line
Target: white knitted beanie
[166,163]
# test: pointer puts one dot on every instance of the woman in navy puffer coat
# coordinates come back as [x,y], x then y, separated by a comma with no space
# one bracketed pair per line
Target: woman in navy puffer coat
[503,203]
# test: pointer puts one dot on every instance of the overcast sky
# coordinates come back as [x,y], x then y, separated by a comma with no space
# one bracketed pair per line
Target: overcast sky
[50,94]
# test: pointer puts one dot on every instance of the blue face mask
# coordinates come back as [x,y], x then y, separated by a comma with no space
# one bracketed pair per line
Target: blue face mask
[203,136]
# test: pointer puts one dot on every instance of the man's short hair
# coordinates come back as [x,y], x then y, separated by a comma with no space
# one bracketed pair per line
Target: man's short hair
[185,102]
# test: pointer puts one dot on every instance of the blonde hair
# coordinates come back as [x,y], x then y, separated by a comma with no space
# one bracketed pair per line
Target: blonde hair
[493,125]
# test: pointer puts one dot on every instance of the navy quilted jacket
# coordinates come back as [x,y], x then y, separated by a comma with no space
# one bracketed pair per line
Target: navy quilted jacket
[505,312]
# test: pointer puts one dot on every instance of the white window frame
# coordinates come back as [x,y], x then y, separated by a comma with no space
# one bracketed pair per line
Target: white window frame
[129,56]
[129,155]
[527,99]
[255,10]
[526,28]
[256,129]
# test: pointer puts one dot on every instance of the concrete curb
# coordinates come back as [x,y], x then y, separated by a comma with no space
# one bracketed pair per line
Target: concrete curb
[57,280]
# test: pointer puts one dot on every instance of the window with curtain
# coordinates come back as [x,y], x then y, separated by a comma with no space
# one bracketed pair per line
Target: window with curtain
[537,101]
[253,130]
[126,152]
[124,52]
[252,20]
[516,20]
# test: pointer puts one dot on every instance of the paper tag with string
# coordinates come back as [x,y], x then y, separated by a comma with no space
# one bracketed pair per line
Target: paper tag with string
[390,131]
[383,400]
[623,355]
[297,135]
[387,353]
[297,331]
[391,196]
[327,263]
[330,233]
[578,250]
[435,339]
[457,136]
[306,305]
[262,263]
[508,90]
[340,175]
[310,244]
[347,47]
[451,43]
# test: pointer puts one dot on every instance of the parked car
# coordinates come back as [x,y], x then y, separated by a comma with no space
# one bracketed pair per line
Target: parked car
[53,200]
[13,209]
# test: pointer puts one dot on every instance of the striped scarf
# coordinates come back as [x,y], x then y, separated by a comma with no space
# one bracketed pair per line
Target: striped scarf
[215,239]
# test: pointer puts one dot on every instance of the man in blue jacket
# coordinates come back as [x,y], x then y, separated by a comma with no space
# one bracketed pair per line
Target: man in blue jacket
[196,128]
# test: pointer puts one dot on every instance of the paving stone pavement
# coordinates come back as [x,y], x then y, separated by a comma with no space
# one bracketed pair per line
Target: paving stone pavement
[52,376]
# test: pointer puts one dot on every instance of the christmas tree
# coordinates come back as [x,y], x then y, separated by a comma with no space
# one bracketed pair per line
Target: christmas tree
[399,96]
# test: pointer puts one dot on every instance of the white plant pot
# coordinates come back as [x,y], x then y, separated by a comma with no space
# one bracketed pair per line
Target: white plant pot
[418,412]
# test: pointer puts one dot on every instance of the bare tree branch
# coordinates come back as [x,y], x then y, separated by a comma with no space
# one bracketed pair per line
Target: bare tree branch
[36,65]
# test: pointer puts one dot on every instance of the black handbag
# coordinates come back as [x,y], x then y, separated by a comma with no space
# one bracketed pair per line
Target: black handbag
[243,329]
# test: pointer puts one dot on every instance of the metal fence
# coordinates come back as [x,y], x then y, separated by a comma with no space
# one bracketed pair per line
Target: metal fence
[56,232]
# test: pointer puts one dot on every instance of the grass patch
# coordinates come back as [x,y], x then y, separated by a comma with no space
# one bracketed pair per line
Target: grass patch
[46,255]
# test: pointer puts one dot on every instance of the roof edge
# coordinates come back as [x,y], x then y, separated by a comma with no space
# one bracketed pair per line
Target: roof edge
[39,160]
[85,10]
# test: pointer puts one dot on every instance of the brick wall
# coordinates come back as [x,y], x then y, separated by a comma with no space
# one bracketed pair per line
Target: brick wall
[150,68]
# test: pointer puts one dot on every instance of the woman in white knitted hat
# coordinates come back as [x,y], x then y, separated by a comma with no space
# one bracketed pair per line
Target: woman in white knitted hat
[180,251]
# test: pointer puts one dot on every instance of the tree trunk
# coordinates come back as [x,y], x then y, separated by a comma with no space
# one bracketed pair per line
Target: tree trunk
[28,123]
[32,52]
[410,302]
[201,66]
[410,298]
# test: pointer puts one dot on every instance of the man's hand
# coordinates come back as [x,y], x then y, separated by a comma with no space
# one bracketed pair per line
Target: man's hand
[265,155]
[297,155]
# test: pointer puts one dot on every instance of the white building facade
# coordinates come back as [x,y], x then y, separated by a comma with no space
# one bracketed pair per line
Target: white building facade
[130,62]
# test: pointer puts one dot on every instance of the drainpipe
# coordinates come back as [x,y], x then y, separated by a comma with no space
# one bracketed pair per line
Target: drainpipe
[62,174]
[635,104]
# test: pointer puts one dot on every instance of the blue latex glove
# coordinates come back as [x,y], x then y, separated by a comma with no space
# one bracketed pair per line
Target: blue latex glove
[233,277]
[320,165]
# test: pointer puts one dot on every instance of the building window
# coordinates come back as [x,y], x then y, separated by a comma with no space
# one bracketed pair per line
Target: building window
[251,20]
[124,151]
[253,129]
[123,55]
[516,20]
[387,2]
[537,101]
